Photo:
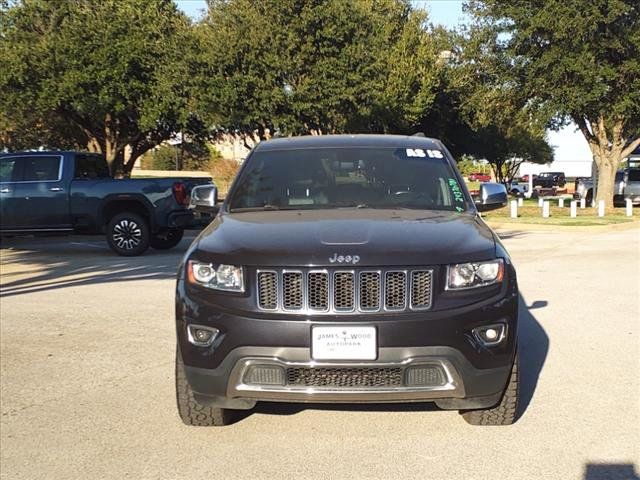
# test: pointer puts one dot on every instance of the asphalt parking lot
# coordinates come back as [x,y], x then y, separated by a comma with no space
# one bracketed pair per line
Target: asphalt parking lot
[87,351]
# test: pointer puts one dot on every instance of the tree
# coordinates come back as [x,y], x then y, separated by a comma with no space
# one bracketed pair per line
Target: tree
[322,66]
[506,150]
[572,61]
[475,117]
[105,74]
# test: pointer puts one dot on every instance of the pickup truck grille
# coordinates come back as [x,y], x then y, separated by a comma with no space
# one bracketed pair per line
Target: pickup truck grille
[344,291]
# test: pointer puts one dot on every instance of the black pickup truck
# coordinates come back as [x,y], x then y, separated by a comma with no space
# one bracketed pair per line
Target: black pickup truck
[72,192]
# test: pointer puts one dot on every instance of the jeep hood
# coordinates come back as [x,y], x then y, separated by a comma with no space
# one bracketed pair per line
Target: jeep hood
[378,237]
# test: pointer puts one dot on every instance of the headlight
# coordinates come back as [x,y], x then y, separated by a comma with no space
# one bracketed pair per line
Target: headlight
[477,274]
[221,277]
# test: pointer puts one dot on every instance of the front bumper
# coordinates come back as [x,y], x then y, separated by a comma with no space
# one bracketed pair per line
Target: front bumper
[464,386]
[475,375]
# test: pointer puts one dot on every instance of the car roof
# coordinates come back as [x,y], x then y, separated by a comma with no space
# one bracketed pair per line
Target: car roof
[343,141]
[45,152]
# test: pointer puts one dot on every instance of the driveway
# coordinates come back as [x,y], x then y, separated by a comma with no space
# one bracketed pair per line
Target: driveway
[87,351]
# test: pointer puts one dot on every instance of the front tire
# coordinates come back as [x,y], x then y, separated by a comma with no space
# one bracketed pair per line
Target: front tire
[128,234]
[191,411]
[167,239]
[505,412]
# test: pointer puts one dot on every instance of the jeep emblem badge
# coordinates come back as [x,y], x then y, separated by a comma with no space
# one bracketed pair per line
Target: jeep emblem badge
[344,258]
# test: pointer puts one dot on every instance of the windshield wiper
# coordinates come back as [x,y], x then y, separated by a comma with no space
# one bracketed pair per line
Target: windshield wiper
[267,207]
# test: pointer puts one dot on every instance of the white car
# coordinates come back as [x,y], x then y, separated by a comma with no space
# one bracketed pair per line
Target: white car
[517,189]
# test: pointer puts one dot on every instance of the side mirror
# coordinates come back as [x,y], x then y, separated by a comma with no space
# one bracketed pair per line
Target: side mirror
[492,196]
[204,198]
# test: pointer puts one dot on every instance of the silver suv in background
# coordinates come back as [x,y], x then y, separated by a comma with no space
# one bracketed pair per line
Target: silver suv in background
[627,185]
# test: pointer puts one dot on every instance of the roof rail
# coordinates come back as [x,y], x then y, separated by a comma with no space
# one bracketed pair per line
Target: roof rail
[419,134]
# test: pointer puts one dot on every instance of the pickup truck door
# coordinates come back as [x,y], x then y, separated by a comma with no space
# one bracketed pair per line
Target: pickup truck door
[40,197]
[10,172]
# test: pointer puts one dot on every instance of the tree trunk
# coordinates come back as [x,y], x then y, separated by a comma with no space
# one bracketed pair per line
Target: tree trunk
[607,168]
[117,164]
[609,147]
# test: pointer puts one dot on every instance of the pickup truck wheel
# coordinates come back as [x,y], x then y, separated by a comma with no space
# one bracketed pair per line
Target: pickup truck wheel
[167,239]
[191,411]
[505,412]
[128,234]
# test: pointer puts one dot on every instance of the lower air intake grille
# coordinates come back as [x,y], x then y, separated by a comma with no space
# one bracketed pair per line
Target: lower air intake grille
[345,377]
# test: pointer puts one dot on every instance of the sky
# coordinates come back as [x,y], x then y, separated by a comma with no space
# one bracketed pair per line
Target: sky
[570,147]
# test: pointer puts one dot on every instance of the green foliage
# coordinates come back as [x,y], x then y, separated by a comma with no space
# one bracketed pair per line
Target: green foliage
[193,156]
[324,66]
[567,60]
[112,69]
[468,165]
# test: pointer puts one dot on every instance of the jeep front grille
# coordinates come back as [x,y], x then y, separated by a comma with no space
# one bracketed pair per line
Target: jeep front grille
[344,291]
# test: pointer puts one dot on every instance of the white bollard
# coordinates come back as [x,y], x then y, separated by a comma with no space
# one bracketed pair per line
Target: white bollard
[583,202]
[601,208]
[574,209]
[545,209]
[561,202]
[514,209]
[629,207]
[540,201]
[520,201]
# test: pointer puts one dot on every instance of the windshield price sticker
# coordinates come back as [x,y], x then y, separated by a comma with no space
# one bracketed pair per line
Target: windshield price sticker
[456,192]
[420,153]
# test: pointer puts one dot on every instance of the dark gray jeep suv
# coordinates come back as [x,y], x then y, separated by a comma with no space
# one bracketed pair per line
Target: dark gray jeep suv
[347,269]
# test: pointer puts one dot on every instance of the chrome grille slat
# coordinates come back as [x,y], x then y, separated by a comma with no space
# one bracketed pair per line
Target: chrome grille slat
[344,291]
[267,289]
[369,291]
[421,289]
[395,290]
[292,298]
[318,290]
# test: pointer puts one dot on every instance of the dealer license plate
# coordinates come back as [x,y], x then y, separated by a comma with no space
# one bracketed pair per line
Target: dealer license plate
[343,343]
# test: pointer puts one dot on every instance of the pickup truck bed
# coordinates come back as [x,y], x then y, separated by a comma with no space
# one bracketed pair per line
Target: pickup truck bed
[73,192]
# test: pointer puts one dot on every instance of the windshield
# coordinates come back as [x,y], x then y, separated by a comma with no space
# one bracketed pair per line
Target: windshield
[348,177]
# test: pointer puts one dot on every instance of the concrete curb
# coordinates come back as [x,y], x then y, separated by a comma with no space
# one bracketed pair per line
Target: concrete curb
[531,227]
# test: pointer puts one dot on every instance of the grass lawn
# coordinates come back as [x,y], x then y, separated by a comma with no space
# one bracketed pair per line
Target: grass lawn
[531,213]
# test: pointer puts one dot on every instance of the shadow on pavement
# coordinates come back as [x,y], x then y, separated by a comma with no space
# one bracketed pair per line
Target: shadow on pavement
[533,345]
[613,471]
[40,264]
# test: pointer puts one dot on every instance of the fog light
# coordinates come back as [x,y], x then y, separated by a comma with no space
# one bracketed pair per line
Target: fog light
[201,336]
[490,335]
